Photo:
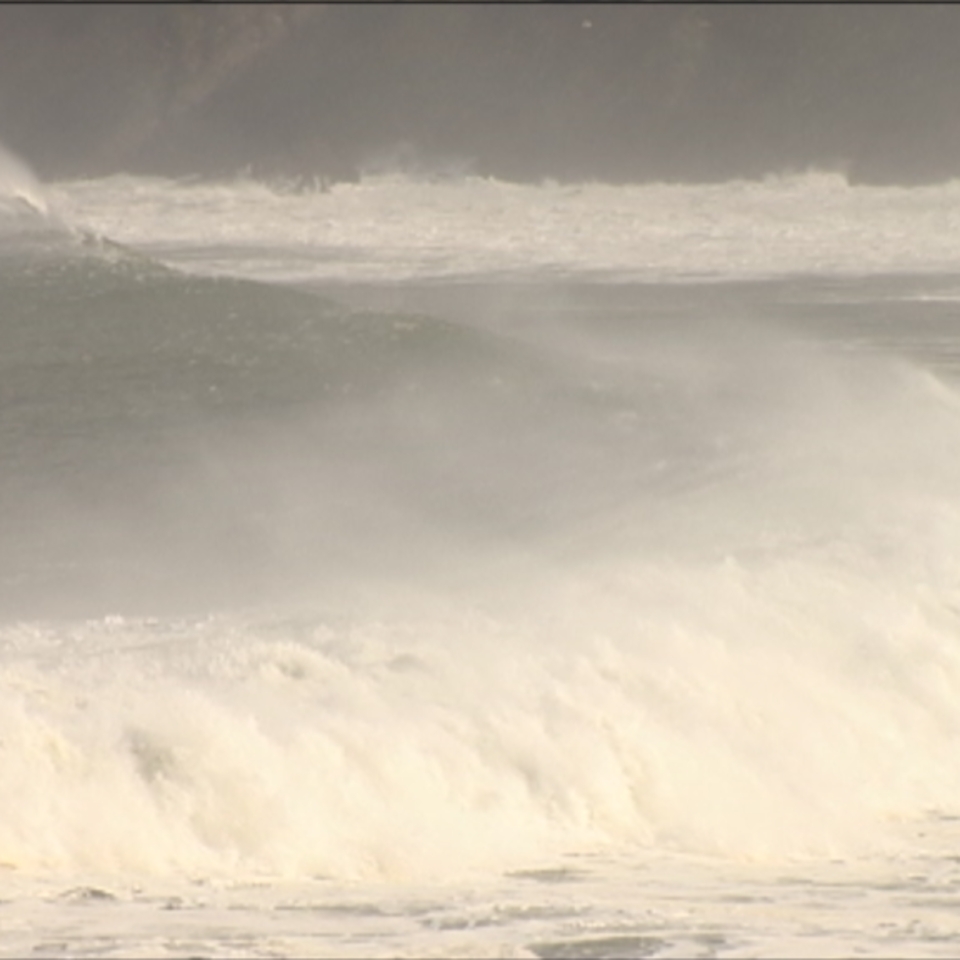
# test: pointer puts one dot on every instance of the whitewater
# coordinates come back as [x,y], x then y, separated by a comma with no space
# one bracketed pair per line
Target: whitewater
[438,566]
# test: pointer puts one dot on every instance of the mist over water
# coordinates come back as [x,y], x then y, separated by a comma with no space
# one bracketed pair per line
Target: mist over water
[501,500]
[486,573]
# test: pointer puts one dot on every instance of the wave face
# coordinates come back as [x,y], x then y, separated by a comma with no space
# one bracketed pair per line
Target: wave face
[418,583]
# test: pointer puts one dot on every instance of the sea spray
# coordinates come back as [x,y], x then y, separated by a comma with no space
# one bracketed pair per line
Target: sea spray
[18,183]
[790,699]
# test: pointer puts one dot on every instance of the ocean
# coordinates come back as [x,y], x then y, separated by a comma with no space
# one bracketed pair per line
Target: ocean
[440,566]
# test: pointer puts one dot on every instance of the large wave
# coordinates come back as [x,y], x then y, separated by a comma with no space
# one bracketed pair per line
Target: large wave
[293,588]
[487,598]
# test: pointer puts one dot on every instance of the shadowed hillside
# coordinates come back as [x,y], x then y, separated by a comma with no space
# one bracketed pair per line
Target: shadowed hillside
[570,91]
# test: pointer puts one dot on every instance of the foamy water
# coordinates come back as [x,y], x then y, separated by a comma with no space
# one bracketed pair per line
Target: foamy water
[392,228]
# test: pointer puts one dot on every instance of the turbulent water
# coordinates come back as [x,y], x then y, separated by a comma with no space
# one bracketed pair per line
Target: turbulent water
[453,567]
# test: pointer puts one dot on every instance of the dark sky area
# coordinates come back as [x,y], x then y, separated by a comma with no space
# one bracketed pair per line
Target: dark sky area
[616,92]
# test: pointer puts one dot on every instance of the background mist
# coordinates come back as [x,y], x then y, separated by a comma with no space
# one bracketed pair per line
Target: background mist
[612,92]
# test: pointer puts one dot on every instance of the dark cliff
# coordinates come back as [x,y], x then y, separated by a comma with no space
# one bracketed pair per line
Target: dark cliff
[569,91]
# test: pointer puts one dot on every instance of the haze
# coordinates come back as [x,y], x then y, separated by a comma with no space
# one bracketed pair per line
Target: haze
[683,92]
